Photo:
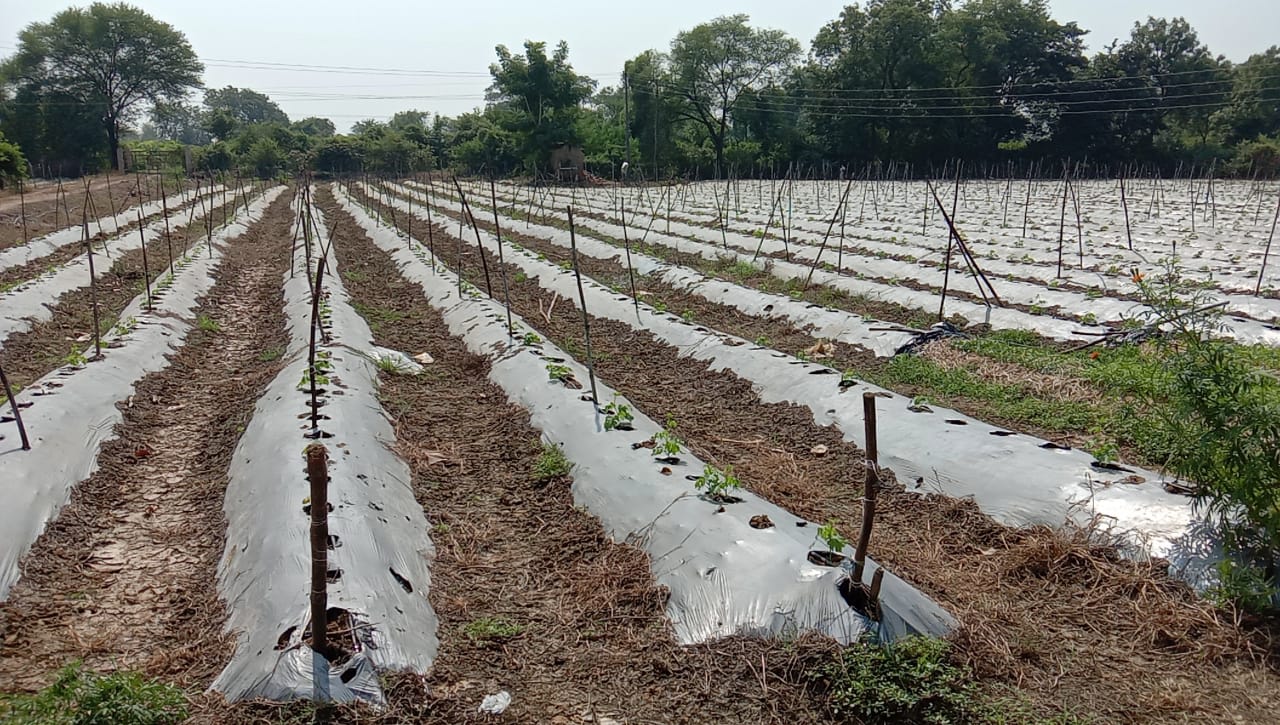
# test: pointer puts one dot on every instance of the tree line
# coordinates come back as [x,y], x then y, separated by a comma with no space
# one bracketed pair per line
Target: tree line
[997,83]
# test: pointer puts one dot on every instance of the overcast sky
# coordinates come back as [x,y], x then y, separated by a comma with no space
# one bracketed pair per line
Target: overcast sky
[440,51]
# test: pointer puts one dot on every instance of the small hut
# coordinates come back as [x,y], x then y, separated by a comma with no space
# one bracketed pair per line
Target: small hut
[568,162]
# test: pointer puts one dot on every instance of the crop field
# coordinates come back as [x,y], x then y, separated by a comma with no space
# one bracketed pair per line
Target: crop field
[430,447]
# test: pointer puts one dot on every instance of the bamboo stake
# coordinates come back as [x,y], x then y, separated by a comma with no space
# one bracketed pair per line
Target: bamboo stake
[586,318]
[502,264]
[17,414]
[146,267]
[22,201]
[466,208]
[870,485]
[1124,202]
[93,289]
[1258,288]
[318,477]
[626,245]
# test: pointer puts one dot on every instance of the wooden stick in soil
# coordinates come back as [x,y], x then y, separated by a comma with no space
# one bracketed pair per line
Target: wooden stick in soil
[22,207]
[146,267]
[626,245]
[1262,272]
[870,486]
[502,264]
[17,414]
[1124,202]
[318,477]
[586,319]
[1062,222]
[484,263]
[825,237]
[431,235]
[93,290]
[168,238]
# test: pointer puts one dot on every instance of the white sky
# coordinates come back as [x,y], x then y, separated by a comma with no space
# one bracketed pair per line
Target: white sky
[456,39]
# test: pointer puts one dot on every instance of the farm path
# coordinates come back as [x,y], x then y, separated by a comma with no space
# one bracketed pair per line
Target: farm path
[125,578]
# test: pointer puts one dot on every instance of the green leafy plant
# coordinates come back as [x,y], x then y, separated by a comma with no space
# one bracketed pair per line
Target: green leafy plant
[531,339]
[81,697]
[271,354]
[207,323]
[551,463]
[1216,411]
[665,442]
[75,358]
[487,629]
[828,534]
[558,372]
[762,341]
[687,316]
[910,680]
[124,327]
[716,483]
[617,415]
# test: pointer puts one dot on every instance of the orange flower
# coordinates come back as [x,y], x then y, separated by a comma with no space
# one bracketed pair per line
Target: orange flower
[1093,355]
[1137,276]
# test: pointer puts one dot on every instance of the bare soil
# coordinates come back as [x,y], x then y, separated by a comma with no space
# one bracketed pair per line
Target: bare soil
[48,209]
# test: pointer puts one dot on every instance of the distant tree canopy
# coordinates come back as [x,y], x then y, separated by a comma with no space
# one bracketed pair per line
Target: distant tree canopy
[990,82]
[102,62]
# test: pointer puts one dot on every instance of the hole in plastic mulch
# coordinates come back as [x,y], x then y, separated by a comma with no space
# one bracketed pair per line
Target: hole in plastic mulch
[333,575]
[1051,446]
[1003,433]
[761,521]
[719,500]
[822,557]
[957,421]
[285,636]
[404,583]
[334,542]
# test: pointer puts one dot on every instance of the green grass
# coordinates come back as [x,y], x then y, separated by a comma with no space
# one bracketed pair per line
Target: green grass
[377,317]
[81,697]
[207,323]
[271,354]
[487,629]
[1012,403]
[551,463]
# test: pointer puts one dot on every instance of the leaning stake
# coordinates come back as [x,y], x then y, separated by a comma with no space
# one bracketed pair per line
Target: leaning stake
[502,264]
[93,288]
[17,414]
[869,487]
[586,319]
[626,244]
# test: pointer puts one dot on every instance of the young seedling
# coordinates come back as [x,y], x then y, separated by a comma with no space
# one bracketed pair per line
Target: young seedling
[716,483]
[617,416]
[531,339]
[665,443]
[76,358]
[558,373]
[828,534]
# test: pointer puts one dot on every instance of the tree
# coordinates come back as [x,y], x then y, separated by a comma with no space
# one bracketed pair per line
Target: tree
[538,98]
[108,58]
[243,105]
[13,167]
[715,63]
[1254,102]
[315,126]
[180,122]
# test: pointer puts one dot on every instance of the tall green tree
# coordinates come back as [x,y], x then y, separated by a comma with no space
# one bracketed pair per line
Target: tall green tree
[244,106]
[715,63]
[110,58]
[538,98]
[315,126]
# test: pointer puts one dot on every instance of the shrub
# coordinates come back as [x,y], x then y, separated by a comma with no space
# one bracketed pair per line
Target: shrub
[551,463]
[79,697]
[909,681]
[13,165]
[1219,415]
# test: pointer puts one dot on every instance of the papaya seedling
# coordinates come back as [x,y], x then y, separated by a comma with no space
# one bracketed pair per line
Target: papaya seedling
[558,372]
[828,534]
[716,483]
[617,416]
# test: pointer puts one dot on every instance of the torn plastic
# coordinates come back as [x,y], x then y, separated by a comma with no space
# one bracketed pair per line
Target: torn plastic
[380,543]
[29,303]
[1015,478]
[74,411]
[725,576]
